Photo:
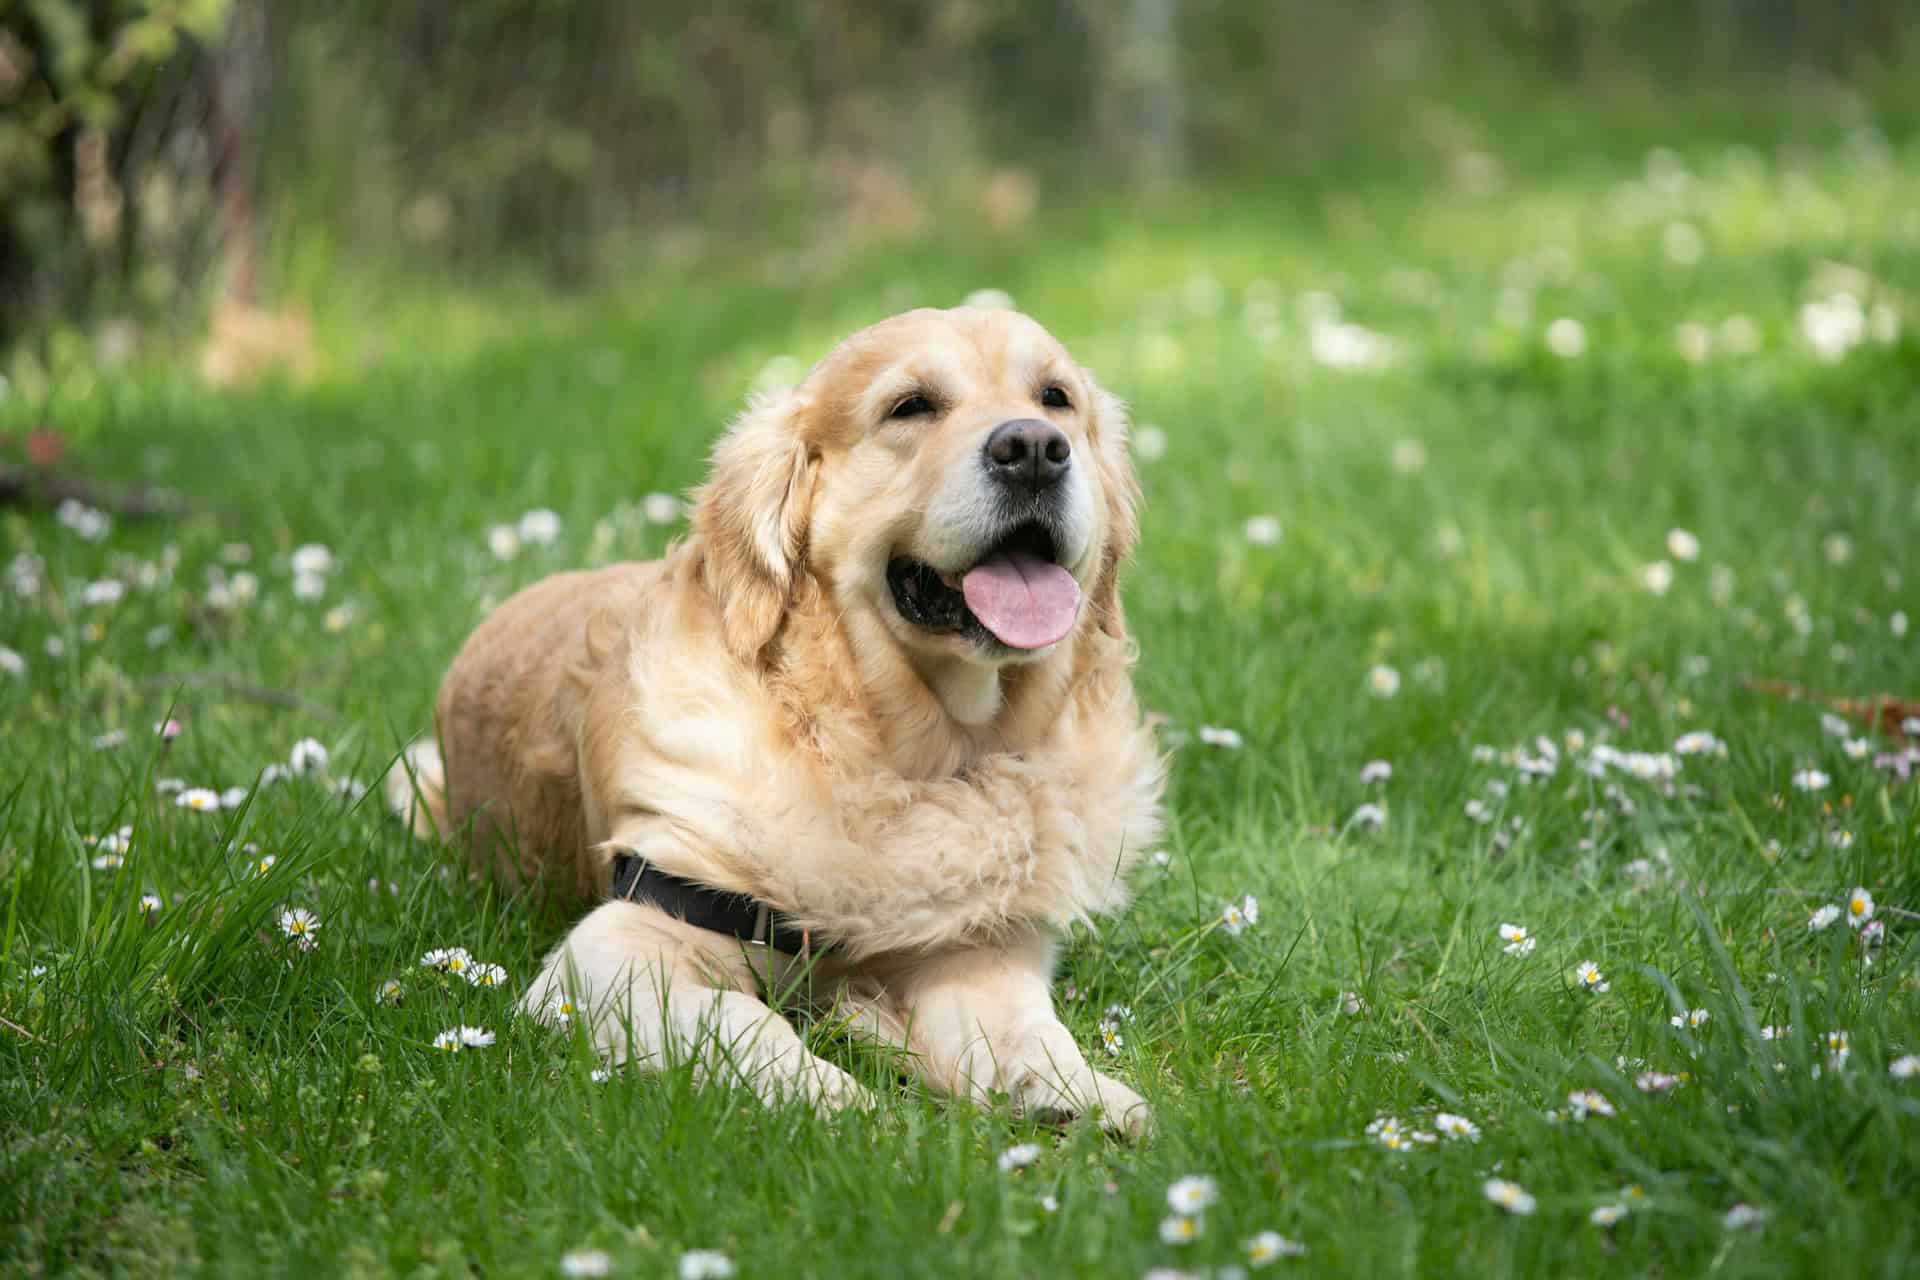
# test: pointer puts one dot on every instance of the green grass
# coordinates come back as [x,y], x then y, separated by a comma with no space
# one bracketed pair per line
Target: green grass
[185,1092]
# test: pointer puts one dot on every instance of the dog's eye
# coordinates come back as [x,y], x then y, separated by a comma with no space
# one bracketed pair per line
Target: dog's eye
[1055,398]
[913,406]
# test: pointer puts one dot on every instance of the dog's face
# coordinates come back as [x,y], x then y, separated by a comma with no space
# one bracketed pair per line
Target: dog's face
[953,475]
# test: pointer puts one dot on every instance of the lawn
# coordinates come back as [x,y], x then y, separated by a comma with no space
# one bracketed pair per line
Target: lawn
[1513,491]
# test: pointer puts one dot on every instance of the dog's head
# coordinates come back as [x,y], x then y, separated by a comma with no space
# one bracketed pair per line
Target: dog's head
[951,476]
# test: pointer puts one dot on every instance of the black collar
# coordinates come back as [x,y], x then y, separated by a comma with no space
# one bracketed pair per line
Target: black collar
[736,914]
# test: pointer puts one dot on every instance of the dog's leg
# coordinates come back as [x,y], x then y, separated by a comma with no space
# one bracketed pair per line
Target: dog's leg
[981,1021]
[640,984]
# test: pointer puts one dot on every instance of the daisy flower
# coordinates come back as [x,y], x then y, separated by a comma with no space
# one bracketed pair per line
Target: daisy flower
[1859,907]
[1585,1102]
[301,925]
[475,1037]
[1771,1032]
[1374,771]
[1261,531]
[307,756]
[149,903]
[233,797]
[1018,1157]
[1214,736]
[563,1014]
[1682,545]
[1699,743]
[1905,1067]
[487,975]
[1110,1038]
[1689,1018]
[389,992]
[1369,817]
[1477,811]
[1519,941]
[586,1262]
[1589,977]
[1838,1047]
[311,558]
[1050,1204]
[1607,1214]
[199,799]
[1657,577]
[11,662]
[1270,1246]
[1456,1127]
[660,508]
[265,864]
[447,960]
[1510,1196]
[539,528]
[1810,780]
[600,1075]
[1825,916]
[1742,1216]
[1192,1194]
[1383,681]
[449,1041]
[705,1264]
[1655,1082]
[1179,1229]
[109,862]
[1239,916]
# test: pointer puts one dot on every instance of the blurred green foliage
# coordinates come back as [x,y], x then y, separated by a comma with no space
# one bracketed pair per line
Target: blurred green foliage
[556,132]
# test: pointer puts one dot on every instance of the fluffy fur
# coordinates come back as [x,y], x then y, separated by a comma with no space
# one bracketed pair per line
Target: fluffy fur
[754,713]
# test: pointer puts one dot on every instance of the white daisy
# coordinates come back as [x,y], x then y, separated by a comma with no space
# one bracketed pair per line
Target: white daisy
[1369,817]
[475,1037]
[1699,743]
[1585,1102]
[1839,1045]
[1018,1157]
[11,662]
[1050,1204]
[448,1041]
[199,799]
[308,756]
[389,993]
[586,1262]
[539,527]
[1192,1194]
[1742,1216]
[503,542]
[1270,1246]
[1179,1229]
[1810,780]
[301,925]
[1519,941]
[1110,1038]
[705,1264]
[264,864]
[1510,1196]
[1375,771]
[233,797]
[109,862]
[1689,1018]
[447,960]
[1261,531]
[1655,1082]
[309,586]
[660,508]
[1456,1127]
[1905,1067]
[311,558]
[1657,577]
[1239,916]
[1825,916]
[600,1075]
[149,903]
[1607,1214]
[1683,546]
[1859,907]
[1589,977]
[1567,338]
[1217,737]
[487,975]
[1383,681]
[105,591]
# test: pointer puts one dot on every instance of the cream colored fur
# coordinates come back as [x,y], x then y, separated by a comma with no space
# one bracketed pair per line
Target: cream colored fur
[752,713]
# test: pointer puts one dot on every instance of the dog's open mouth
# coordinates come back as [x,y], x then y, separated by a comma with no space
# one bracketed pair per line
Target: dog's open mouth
[1018,595]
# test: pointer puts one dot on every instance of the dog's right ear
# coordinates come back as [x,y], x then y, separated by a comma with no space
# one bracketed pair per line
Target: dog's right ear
[751,520]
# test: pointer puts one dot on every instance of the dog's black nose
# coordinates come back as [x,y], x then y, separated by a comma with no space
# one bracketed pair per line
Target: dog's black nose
[1027,454]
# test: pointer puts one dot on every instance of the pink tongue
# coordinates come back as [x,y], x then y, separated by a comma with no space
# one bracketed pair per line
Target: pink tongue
[1027,602]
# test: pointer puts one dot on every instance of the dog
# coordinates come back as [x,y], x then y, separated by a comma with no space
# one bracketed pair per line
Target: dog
[872,722]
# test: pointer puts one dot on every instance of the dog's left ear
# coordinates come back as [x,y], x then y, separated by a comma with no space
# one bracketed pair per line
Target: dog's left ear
[1113,454]
[751,519]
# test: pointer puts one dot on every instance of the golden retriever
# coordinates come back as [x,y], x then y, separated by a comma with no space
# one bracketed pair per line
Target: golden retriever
[883,689]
